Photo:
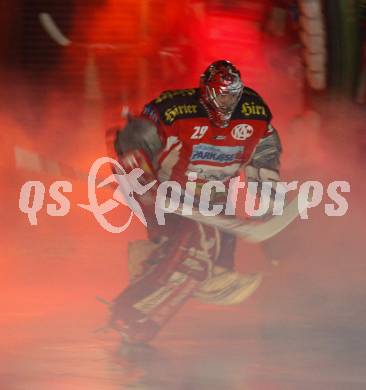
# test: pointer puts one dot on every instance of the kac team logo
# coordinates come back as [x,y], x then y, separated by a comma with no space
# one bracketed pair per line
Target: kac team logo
[242,131]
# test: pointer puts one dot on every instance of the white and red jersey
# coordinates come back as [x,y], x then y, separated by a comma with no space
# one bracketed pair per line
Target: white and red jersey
[191,143]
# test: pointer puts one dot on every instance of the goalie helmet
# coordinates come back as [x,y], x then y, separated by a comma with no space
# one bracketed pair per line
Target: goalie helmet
[221,88]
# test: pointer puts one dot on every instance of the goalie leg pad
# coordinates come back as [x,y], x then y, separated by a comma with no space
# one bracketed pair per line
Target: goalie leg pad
[176,270]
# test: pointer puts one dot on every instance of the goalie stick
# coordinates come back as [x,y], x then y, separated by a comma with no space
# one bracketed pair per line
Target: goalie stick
[252,231]
[249,230]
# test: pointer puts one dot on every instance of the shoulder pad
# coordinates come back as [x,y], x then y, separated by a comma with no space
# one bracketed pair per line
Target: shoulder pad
[252,106]
[171,94]
[172,105]
[250,92]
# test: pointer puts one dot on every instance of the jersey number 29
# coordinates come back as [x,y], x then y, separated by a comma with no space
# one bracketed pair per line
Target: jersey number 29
[199,132]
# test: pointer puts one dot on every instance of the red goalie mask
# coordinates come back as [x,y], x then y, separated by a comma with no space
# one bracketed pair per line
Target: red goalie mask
[221,88]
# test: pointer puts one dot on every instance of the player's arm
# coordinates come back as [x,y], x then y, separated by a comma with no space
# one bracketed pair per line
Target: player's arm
[264,166]
[265,162]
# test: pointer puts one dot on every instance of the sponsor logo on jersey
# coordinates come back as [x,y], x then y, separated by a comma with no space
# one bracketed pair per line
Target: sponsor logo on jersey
[171,94]
[220,137]
[242,131]
[249,109]
[184,109]
[216,154]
